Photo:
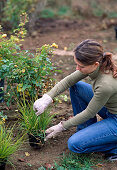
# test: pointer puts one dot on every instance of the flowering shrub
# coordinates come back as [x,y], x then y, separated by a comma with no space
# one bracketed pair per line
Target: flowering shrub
[29,73]
[24,72]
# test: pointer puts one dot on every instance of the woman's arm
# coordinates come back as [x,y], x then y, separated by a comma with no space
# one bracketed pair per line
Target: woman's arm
[65,83]
[41,104]
[100,98]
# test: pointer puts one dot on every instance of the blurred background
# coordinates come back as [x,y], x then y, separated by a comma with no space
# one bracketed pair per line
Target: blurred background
[65,22]
[39,10]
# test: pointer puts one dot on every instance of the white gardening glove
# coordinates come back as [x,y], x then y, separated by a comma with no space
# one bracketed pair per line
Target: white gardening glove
[54,130]
[41,104]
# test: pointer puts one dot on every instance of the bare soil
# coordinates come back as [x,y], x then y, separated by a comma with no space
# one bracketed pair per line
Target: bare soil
[65,33]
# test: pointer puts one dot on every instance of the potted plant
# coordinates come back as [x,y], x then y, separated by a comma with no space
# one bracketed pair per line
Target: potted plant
[8,144]
[35,126]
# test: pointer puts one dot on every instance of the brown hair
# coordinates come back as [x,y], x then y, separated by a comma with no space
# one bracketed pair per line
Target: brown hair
[89,51]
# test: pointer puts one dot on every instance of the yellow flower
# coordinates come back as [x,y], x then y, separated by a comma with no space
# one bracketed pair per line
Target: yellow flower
[15,65]
[54,45]
[21,32]
[23,70]
[19,87]
[17,40]
[4,35]
[3,119]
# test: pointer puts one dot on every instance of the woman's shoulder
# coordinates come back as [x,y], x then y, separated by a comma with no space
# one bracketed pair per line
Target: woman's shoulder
[107,77]
[107,81]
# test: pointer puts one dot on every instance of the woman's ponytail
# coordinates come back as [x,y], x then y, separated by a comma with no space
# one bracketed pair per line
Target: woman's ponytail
[108,64]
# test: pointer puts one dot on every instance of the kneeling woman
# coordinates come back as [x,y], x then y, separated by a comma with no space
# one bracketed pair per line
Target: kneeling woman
[99,97]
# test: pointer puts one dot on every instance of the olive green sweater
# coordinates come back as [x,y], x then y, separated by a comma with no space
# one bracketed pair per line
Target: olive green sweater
[105,94]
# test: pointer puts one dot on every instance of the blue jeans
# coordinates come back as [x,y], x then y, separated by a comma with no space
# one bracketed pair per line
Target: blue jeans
[92,136]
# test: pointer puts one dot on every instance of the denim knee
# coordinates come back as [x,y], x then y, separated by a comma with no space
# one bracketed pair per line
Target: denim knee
[73,147]
[70,144]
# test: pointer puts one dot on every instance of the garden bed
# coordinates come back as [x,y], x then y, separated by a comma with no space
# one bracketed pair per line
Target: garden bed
[29,158]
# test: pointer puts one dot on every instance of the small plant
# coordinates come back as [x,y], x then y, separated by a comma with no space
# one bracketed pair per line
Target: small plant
[33,125]
[77,161]
[60,99]
[63,11]
[97,9]
[47,13]
[112,14]
[8,143]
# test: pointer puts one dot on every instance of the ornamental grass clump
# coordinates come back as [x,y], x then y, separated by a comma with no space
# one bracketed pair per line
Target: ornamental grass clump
[33,125]
[8,143]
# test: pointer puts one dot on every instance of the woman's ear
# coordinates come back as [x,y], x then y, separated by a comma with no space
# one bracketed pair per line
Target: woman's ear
[97,63]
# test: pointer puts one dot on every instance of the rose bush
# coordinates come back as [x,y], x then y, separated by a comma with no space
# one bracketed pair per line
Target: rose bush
[24,71]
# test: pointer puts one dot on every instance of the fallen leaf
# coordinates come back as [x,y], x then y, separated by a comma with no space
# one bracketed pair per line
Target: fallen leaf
[60,101]
[48,166]
[99,165]
[105,41]
[27,154]
[7,108]
[65,48]
[21,160]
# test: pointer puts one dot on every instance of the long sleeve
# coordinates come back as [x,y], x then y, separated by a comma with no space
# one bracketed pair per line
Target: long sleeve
[100,98]
[65,83]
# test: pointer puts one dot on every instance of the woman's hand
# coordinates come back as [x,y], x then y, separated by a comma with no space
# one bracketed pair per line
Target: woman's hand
[41,104]
[54,130]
